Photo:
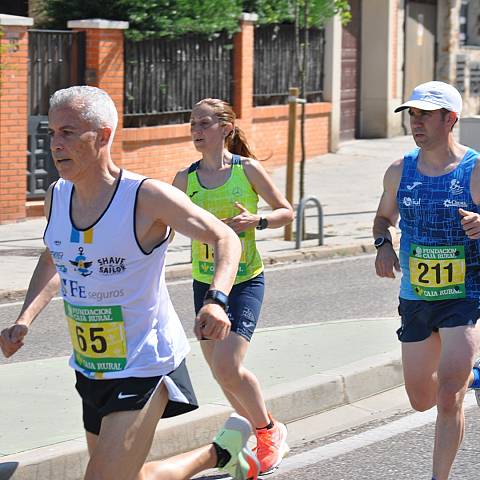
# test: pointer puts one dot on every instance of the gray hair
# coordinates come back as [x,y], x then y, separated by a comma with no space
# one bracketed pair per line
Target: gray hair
[94,105]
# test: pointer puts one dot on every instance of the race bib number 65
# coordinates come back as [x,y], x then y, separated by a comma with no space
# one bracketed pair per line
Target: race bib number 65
[437,273]
[98,337]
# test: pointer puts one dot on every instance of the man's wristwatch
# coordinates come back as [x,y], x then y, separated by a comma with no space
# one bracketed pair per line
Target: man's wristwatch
[218,297]
[262,224]
[379,241]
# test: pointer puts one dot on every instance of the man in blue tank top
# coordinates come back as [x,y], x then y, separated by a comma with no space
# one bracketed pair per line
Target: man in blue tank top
[435,191]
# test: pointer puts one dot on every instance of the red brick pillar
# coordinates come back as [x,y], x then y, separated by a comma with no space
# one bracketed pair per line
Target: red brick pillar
[105,65]
[243,62]
[13,116]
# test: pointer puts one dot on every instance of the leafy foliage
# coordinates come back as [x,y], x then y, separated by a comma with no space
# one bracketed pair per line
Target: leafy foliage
[173,18]
[280,11]
[150,18]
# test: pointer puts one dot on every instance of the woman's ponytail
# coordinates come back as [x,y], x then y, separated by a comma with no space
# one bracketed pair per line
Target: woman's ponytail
[237,143]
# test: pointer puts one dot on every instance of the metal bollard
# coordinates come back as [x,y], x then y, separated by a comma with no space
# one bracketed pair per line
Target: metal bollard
[300,212]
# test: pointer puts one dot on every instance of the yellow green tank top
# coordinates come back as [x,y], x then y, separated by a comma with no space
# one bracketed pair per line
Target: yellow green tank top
[221,202]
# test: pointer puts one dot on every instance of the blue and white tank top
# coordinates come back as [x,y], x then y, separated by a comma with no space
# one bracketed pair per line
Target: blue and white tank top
[429,218]
[119,314]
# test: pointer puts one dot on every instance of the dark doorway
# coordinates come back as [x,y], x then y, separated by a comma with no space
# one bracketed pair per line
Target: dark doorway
[15,7]
[56,60]
[350,74]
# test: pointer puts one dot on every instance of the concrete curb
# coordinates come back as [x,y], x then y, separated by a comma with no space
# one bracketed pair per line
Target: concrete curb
[317,253]
[184,270]
[291,401]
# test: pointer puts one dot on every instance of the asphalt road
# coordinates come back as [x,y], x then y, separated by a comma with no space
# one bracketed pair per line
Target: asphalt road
[299,293]
[395,448]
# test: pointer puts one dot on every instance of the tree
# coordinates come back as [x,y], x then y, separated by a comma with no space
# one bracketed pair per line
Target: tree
[281,11]
[173,18]
[308,13]
[151,18]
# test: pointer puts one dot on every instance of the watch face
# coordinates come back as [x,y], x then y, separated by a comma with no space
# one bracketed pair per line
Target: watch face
[218,297]
[262,224]
[379,241]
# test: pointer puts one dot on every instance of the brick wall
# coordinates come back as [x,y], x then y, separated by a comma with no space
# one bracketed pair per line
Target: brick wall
[13,121]
[270,132]
[158,152]
[105,66]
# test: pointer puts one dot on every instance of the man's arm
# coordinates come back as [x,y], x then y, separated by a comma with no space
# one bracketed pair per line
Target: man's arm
[43,286]
[385,221]
[163,204]
[471,220]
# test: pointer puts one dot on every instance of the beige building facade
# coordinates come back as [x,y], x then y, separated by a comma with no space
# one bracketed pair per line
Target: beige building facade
[400,44]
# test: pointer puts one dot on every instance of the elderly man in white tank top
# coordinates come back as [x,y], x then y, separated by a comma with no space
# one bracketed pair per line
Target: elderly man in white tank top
[106,240]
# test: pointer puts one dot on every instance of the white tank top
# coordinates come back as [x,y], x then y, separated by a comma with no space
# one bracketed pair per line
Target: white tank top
[121,320]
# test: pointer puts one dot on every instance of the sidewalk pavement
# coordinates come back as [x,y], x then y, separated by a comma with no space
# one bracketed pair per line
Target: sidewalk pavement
[328,364]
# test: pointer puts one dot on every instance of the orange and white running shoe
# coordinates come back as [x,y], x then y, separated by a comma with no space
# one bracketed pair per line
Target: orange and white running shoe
[271,446]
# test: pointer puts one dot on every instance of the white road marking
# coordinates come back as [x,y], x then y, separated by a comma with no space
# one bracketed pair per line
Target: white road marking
[363,439]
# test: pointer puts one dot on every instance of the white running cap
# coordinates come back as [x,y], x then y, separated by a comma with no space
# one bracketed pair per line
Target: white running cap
[433,96]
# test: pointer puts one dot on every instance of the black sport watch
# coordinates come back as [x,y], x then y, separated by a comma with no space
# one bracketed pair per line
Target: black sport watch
[379,241]
[218,297]
[262,224]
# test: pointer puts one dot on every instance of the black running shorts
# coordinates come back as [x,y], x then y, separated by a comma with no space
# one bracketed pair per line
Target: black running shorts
[102,397]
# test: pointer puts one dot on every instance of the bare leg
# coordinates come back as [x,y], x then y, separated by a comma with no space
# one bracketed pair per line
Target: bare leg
[124,441]
[241,386]
[112,457]
[181,467]
[459,347]
[421,383]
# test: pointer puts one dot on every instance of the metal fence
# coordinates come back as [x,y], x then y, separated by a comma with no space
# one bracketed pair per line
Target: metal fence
[164,78]
[56,60]
[276,64]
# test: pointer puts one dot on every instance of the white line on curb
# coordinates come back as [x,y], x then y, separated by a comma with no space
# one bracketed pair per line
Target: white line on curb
[320,261]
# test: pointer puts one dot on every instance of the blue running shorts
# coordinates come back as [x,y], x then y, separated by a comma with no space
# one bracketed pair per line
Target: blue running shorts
[421,318]
[244,303]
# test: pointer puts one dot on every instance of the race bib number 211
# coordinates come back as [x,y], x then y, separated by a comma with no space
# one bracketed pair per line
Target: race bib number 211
[437,273]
